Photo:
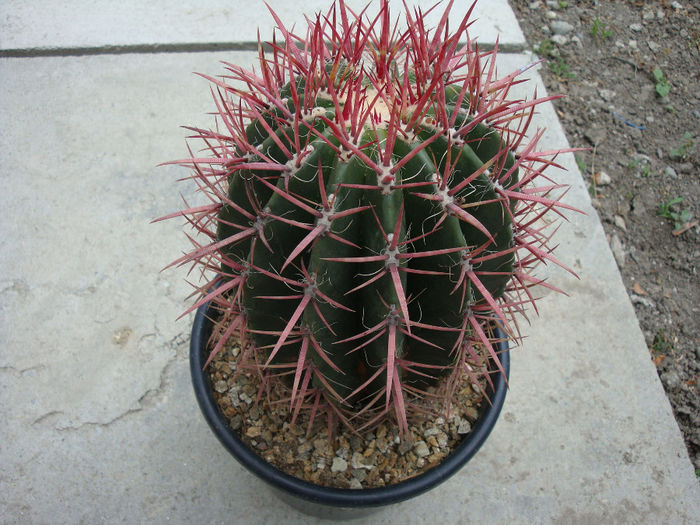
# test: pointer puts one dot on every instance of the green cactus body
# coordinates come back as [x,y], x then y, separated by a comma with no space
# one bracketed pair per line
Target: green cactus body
[402,239]
[369,223]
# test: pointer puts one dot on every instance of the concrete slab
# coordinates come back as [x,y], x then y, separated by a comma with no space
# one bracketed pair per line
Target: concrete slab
[83,24]
[100,424]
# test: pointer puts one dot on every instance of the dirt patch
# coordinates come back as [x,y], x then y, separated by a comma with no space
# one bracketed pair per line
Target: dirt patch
[630,73]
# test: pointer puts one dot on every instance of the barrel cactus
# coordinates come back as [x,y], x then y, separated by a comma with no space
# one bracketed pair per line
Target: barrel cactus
[372,209]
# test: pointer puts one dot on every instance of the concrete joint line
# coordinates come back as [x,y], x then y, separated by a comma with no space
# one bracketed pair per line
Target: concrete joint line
[141,49]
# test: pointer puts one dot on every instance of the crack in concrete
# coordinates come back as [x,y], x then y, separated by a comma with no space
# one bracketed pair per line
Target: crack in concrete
[53,413]
[149,397]
[147,400]
[19,286]
[19,372]
[101,424]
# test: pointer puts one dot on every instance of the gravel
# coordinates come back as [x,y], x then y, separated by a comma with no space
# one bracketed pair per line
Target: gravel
[343,459]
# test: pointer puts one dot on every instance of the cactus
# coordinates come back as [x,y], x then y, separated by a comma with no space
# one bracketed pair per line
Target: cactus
[372,211]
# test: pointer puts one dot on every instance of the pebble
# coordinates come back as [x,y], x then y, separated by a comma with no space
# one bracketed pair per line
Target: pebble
[671,379]
[253,432]
[636,27]
[431,431]
[670,172]
[602,179]
[620,222]
[404,447]
[551,15]
[464,427]
[617,250]
[606,94]
[358,461]
[356,443]
[638,299]
[321,446]
[653,46]
[421,449]
[560,40]
[641,157]
[339,465]
[686,167]
[535,5]
[471,413]
[359,474]
[245,398]
[677,5]
[560,27]
[355,484]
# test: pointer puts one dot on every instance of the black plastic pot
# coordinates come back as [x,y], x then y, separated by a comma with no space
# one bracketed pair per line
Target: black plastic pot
[325,501]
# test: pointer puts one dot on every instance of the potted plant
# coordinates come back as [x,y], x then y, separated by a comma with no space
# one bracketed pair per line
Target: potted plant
[371,217]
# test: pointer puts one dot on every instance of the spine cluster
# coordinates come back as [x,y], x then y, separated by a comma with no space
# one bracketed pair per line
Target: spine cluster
[374,206]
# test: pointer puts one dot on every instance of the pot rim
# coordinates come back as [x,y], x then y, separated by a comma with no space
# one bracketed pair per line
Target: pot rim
[338,497]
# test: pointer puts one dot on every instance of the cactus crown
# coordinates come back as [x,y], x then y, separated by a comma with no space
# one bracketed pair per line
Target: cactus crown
[372,209]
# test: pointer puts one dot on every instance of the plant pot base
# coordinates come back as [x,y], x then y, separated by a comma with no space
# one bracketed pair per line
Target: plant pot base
[328,512]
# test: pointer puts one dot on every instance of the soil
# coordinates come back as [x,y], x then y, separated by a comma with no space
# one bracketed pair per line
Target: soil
[630,73]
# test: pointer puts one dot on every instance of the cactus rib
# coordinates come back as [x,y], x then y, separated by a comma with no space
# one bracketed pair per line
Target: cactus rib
[376,208]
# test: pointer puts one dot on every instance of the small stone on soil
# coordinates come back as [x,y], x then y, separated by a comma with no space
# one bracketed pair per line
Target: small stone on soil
[620,222]
[559,27]
[617,250]
[602,179]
